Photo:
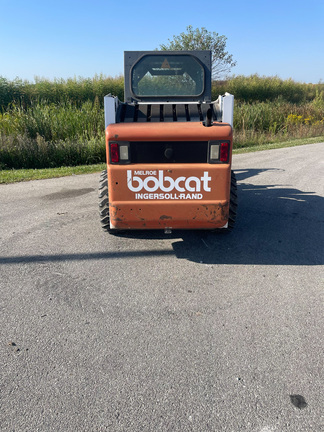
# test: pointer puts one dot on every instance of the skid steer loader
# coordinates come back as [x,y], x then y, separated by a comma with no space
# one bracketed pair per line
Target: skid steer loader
[169,147]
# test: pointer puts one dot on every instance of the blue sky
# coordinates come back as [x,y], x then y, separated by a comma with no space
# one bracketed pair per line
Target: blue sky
[79,38]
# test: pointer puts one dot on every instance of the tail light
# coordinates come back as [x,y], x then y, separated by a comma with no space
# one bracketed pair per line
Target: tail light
[218,151]
[114,153]
[224,152]
[119,152]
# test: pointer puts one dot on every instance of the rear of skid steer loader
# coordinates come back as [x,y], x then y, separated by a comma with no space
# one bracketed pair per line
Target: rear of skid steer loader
[169,148]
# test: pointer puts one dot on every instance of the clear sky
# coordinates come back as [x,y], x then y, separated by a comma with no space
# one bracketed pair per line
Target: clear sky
[81,38]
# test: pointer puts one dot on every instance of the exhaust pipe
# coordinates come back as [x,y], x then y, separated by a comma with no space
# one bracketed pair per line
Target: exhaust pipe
[209,118]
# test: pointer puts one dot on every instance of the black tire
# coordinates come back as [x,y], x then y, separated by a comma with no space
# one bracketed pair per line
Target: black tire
[233,203]
[104,201]
[232,208]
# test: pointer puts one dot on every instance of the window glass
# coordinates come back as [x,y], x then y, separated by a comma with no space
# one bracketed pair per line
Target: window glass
[167,75]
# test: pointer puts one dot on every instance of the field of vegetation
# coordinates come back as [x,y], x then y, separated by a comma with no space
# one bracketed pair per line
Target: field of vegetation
[48,124]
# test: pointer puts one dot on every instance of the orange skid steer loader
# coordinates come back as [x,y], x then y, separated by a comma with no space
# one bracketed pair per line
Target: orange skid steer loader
[169,147]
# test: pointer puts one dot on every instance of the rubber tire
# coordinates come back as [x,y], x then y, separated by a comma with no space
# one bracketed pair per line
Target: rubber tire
[233,203]
[104,201]
[232,208]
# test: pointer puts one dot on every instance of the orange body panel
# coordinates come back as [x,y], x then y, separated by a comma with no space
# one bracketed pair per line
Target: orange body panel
[157,196]
[167,131]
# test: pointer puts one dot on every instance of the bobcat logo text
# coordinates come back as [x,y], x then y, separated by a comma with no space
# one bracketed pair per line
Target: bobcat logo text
[179,188]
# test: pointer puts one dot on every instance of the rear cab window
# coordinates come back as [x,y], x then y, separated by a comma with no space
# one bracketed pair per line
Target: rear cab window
[167,75]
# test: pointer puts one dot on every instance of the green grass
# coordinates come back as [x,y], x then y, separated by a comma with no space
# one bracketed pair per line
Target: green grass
[18,175]
[278,145]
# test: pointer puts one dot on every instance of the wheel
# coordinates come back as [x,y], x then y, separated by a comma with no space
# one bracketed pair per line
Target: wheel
[233,203]
[104,201]
[232,208]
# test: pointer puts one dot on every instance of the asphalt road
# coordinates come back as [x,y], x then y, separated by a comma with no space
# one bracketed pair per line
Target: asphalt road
[150,332]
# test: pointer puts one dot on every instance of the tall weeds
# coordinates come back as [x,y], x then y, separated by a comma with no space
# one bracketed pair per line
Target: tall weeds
[51,124]
[54,122]
[76,91]
[48,135]
[262,89]
[20,151]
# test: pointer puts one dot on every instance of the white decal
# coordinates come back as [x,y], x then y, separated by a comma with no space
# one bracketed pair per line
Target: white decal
[145,172]
[151,183]
[168,196]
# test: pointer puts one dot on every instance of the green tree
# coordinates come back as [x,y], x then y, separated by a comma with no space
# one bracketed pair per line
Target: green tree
[202,39]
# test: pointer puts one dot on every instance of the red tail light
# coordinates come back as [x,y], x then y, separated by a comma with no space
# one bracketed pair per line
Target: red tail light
[114,153]
[224,152]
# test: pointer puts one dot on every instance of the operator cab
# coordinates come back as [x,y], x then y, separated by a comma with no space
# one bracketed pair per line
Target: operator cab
[167,86]
[175,76]
[168,76]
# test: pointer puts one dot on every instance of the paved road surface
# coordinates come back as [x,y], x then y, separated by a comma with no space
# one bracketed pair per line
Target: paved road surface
[147,332]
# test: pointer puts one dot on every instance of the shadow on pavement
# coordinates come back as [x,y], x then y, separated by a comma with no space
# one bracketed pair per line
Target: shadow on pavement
[276,225]
[27,259]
